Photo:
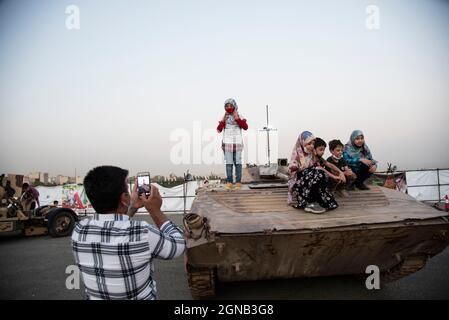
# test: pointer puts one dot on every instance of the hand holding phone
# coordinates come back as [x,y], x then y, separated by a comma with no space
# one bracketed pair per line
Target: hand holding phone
[153,203]
[144,183]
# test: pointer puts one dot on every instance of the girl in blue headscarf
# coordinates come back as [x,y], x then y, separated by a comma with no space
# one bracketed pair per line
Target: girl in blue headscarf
[358,156]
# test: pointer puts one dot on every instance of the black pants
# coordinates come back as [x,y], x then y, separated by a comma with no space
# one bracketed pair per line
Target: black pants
[362,174]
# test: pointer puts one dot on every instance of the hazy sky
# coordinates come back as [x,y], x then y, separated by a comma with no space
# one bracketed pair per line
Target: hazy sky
[113,91]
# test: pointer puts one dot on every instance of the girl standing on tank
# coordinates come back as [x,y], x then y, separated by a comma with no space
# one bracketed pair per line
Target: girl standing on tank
[232,144]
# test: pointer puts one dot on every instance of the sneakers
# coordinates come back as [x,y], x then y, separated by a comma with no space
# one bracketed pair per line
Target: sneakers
[230,186]
[314,208]
[362,187]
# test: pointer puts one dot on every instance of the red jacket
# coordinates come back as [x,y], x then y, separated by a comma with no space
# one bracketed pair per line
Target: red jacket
[241,122]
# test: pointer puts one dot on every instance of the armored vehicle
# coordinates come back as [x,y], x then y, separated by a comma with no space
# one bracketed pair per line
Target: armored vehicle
[252,234]
[16,217]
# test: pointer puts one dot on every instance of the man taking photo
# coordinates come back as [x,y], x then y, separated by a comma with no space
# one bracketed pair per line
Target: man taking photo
[115,253]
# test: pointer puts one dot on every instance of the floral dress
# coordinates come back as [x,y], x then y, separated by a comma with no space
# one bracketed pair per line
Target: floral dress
[310,187]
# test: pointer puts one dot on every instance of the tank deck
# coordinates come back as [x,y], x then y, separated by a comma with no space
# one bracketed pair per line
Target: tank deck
[265,209]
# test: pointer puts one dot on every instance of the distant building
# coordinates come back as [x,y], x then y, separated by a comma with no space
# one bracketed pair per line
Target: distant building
[172,177]
[60,180]
[75,180]
[16,182]
[41,177]
[158,178]
[33,177]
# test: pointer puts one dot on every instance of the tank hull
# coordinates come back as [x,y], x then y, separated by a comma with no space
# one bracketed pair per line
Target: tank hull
[252,234]
[338,251]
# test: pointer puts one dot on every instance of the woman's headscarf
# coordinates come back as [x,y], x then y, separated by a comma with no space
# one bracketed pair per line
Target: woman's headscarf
[230,117]
[357,152]
[301,158]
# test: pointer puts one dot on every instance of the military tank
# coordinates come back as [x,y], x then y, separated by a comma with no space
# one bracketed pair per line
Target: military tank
[252,234]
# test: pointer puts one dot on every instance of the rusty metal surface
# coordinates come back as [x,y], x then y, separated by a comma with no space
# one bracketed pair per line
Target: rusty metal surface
[274,199]
[253,234]
[347,250]
[258,210]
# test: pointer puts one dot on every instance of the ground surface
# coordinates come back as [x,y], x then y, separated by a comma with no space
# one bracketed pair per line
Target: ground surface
[34,268]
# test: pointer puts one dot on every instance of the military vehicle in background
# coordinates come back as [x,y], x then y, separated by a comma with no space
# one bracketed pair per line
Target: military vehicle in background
[19,216]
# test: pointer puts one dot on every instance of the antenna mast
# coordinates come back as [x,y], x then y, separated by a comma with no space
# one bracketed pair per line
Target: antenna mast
[268,129]
[268,138]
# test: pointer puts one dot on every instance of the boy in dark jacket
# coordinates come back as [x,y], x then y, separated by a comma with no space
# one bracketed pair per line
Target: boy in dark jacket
[336,149]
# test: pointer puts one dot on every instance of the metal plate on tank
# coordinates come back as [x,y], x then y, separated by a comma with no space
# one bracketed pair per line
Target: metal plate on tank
[275,200]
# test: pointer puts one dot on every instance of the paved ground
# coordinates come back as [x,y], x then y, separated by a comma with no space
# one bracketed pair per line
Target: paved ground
[34,268]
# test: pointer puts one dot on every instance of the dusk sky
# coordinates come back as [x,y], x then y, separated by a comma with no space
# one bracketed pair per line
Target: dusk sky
[136,72]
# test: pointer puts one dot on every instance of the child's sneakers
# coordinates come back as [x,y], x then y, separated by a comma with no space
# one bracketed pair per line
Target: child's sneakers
[230,186]
[314,208]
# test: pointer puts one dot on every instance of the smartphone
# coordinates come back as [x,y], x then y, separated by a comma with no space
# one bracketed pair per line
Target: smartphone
[143,183]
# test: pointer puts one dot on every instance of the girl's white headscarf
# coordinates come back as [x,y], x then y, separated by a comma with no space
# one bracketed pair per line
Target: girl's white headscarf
[230,117]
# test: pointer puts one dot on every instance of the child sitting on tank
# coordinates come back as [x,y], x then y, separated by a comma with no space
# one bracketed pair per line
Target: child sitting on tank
[358,156]
[307,185]
[336,158]
[334,174]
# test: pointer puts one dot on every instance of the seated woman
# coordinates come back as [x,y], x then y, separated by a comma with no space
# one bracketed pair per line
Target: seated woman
[307,184]
[359,158]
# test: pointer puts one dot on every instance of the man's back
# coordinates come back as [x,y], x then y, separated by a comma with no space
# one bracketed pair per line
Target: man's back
[115,255]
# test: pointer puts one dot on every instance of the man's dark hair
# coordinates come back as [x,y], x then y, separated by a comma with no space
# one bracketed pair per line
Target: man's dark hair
[335,143]
[104,185]
[25,185]
[319,143]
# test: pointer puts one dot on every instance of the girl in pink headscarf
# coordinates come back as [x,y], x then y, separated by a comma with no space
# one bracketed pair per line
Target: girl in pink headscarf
[307,184]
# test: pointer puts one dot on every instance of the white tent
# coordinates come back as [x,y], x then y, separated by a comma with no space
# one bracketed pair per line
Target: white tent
[173,200]
[49,194]
[173,197]
[423,185]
